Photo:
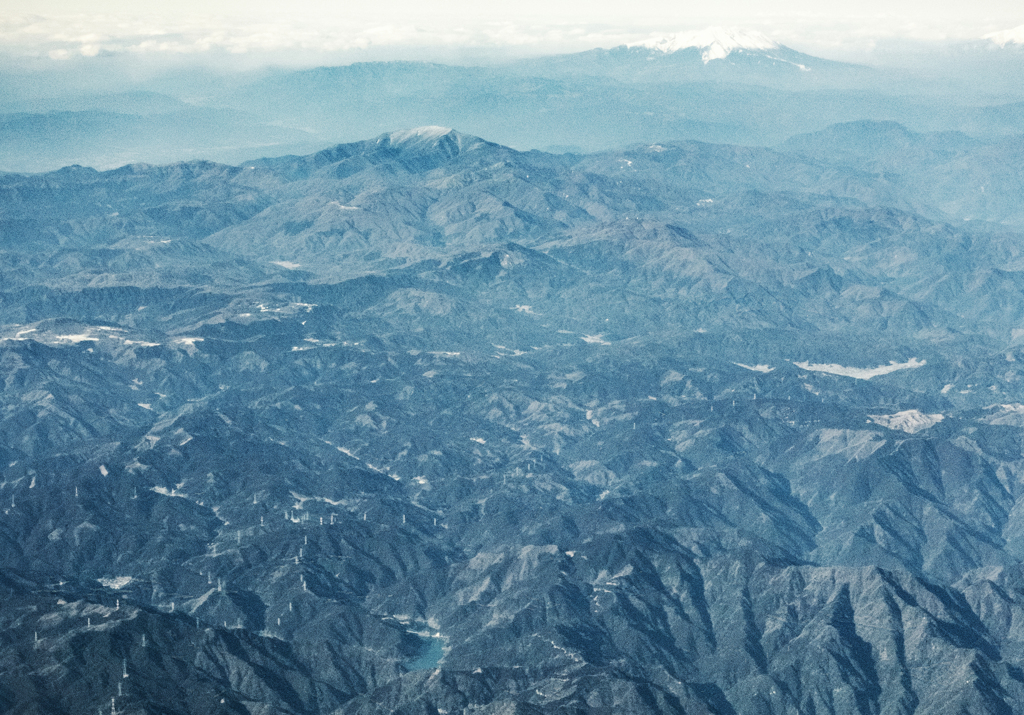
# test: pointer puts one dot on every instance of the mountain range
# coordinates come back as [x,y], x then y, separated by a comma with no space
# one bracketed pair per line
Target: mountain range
[426,424]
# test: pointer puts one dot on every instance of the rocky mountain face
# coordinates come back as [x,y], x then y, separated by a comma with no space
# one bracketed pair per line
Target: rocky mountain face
[423,424]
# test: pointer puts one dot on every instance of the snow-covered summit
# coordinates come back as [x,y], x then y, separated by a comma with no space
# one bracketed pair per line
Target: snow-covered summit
[429,139]
[715,43]
[419,134]
[422,148]
[1003,38]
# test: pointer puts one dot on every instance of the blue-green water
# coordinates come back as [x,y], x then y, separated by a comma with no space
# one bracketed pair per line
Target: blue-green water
[430,655]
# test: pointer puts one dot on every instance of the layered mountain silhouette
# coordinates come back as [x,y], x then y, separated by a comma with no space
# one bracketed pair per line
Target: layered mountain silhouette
[718,85]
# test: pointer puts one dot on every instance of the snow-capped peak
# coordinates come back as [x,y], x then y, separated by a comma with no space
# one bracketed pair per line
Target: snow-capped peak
[430,139]
[715,43]
[419,134]
[1007,37]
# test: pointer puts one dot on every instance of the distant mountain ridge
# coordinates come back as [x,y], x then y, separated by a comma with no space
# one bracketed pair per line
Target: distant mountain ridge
[715,53]
[717,85]
[946,171]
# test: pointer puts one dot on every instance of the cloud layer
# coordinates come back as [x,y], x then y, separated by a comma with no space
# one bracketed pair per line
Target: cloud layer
[306,38]
[92,35]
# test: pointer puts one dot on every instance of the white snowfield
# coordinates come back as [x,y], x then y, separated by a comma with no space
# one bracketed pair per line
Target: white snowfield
[189,343]
[862,373]
[716,42]
[909,421]
[88,334]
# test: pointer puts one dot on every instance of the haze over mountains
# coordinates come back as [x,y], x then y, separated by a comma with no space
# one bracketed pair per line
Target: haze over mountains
[730,86]
[424,423]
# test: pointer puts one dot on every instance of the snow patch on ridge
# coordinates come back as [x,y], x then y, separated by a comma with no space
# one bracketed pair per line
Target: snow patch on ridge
[189,344]
[168,492]
[115,583]
[1011,414]
[909,421]
[755,368]
[79,338]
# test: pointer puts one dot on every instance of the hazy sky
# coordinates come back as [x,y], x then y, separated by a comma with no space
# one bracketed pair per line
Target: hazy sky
[534,10]
[62,29]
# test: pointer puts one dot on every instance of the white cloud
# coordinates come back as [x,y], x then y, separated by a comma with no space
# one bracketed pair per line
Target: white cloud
[1014,36]
[89,36]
